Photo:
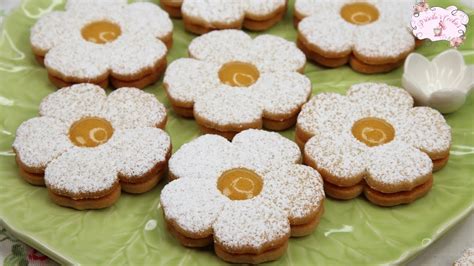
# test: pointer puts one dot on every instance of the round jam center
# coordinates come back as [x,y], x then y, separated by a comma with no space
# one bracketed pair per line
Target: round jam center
[238,74]
[359,13]
[90,132]
[101,32]
[373,131]
[240,184]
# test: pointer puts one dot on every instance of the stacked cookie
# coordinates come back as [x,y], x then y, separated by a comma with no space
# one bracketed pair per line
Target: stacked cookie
[238,187]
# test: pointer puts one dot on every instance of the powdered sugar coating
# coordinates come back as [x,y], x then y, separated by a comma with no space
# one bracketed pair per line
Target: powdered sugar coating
[40,140]
[79,100]
[131,108]
[58,37]
[67,175]
[384,166]
[135,148]
[297,193]
[222,12]
[279,92]
[198,210]
[249,223]
[139,150]
[388,37]
[329,119]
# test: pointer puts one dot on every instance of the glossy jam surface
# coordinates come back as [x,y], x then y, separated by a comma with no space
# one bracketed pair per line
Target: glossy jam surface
[240,184]
[101,32]
[359,13]
[373,131]
[238,74]
[90,132]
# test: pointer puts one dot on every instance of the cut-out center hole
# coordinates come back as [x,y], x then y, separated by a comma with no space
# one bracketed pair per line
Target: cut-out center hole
[238,74]
[359,13]
[373,131]
[101,32]
[240,184]
[90,132]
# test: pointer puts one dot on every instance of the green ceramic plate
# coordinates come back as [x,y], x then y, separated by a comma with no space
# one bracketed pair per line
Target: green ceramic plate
[354,231]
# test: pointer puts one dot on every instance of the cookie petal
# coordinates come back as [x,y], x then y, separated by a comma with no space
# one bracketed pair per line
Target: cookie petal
[88,4]
[40,140]
[339,159]
[140,150]
[221,46]
[397,166]
[282,93]
[389,41]
[138,55]
[297,189]
[75,102]
[306,8]
[379,100]
[327,113]
[131,108]
[78,60]
[250,225]
[262,8]
[78,174]
[228,109]
[49,31]
[192,204]
[188,78]
[148,18]
[272,53]
[270,149]
[327,33]
[427,130]
[214,12]
[205,157]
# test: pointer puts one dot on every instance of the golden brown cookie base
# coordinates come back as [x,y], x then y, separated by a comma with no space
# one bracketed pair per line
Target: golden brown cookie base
[226,134]
[392,199]
[117,83]
[32,178]
[440,163]
[305,229]
[269,255]
[330,60]
[87,203]
[261,25]
[255,24]
[59,83]
[174,12]
[183,111]
[320,59]
[149,183]
[362,67]
[279,125]
[188,241]
[343,193]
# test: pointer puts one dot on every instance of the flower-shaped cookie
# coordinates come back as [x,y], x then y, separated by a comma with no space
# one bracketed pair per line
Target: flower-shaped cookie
[201,17]
[372,35]
[98,41]
[247,196]
[234,82]
[86,147]
[373,140]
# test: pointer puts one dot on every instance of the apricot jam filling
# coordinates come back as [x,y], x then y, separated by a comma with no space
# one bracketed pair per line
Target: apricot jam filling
[238,74]
[373,131]
[240,184]
[359,13]
[90,132]
[101,32]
